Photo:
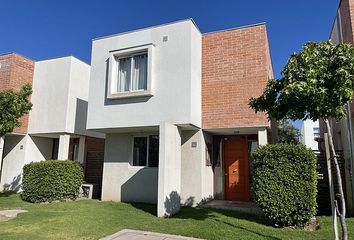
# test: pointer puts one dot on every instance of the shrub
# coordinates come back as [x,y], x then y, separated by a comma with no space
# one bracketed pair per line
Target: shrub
[284,183]
[51,180]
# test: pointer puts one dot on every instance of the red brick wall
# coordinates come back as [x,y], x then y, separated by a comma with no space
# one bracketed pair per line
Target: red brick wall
[347,20]
[235,67]
[15,71]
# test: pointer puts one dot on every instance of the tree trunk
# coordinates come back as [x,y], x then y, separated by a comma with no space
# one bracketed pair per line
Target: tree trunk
[331,186]
[342,212]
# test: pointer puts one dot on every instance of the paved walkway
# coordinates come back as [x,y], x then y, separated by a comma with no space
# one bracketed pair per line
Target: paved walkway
[6,215]
[128,234]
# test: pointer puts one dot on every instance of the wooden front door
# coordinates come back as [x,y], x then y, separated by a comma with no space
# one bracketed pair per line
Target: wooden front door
[236,170]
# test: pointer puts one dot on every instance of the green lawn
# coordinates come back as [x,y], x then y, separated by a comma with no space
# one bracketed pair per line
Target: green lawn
[94,219]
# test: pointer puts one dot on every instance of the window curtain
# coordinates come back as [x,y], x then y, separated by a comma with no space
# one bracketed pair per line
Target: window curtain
[139,80]
[124,71]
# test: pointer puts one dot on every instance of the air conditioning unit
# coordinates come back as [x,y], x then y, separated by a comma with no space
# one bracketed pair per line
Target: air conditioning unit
[86,190]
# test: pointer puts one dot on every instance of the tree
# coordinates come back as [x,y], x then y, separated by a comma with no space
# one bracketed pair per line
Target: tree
[13,105]
[287,133]
[316,83]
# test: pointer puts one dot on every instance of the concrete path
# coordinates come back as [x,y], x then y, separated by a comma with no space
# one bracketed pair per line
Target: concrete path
[128,234]
[6,215]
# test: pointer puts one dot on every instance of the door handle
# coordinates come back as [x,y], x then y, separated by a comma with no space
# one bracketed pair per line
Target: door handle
[235,170]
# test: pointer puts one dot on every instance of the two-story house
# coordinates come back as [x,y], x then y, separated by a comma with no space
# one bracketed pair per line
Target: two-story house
[55,128]
[173,103]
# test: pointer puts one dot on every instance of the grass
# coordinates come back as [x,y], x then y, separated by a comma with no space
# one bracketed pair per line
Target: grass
[93,219]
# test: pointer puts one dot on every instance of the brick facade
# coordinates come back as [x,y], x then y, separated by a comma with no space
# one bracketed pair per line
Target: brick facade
[236,65]
[346,9]
[15,71]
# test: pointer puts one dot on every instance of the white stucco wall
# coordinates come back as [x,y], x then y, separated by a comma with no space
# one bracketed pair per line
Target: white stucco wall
[12,163]
[196,177]
[60,95]
[20,150]
[169,178]
[307,134]
[121,181]
[176,79]
[50,96]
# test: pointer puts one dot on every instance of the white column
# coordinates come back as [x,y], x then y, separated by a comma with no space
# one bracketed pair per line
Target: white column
[262,136]
[81,151]
[63,150]
[169,176]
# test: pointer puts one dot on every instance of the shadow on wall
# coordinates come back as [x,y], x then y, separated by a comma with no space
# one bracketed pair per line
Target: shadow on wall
[108,101]
[190,202]
[44,145]
[80,115]
[141,187]
[14,186]
[172,204]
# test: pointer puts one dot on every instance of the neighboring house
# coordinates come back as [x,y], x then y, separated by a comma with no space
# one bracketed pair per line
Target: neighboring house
[310,132]
[342,32]
[55,128]
[173,103]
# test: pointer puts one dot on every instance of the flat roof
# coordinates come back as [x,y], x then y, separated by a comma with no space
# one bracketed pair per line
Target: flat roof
[174,22]
[9,53]
[53,58]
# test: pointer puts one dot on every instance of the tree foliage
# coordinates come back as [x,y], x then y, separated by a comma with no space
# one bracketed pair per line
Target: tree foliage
[287,133]
[316,83]
[13,105]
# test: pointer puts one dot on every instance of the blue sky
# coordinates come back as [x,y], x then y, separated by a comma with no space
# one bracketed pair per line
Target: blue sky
[43,29]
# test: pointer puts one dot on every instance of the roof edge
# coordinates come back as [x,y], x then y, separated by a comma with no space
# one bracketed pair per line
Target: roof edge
[150,27]
[66,56]
[13,52]
[236,28]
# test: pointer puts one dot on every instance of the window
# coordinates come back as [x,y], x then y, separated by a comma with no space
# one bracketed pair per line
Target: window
[55,148]
[132,73]
[146,151]
[316,132]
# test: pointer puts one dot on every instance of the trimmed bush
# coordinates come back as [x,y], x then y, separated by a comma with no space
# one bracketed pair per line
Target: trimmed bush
[51,180]
[284,183]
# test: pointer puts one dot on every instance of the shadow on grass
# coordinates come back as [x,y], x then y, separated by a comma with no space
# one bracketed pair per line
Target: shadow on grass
[145,207]
[7,194]
[201,214]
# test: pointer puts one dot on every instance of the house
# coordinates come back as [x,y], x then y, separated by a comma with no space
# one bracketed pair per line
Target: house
[342,32]
[173,103]
[55,128]
[310,131]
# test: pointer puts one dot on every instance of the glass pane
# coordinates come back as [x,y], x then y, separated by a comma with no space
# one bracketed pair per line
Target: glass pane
[124,68]
[316,132]
[154,151]
[140,151]
[139,80]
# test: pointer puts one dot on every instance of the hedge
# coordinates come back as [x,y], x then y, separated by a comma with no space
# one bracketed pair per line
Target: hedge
[51,180]
[284,183]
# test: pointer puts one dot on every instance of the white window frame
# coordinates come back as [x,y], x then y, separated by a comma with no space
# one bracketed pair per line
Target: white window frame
[147,150]
[112,92]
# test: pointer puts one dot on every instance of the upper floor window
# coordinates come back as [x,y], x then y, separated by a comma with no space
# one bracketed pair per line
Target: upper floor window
[132,73]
